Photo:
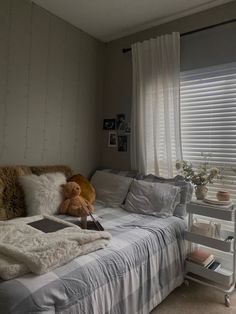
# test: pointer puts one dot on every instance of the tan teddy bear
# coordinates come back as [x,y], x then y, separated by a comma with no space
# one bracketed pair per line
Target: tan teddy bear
[87,190]
[74,204]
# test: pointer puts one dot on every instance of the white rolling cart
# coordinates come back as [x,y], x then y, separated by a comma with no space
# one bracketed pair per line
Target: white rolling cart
[224,278]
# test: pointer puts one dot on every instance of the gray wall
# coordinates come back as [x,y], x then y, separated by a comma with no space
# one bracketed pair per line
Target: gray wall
[206,48]
[50,90]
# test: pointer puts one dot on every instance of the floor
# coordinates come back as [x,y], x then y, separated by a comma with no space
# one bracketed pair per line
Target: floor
[196,299]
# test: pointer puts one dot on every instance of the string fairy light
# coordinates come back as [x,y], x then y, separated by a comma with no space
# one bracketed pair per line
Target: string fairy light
[7,91]
[62,97]
[44,138]
[77,105]
[27,127]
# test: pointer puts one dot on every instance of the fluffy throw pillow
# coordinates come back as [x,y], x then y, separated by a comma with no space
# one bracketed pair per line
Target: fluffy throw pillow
[43,193]
[111,189]
[87,190]
[12,203]
[152,198]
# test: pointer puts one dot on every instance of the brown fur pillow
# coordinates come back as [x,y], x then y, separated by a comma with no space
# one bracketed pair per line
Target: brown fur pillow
[87,190]
[12,203]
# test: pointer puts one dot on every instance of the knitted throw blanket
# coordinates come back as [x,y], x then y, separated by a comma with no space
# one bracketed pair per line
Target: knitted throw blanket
[24,249]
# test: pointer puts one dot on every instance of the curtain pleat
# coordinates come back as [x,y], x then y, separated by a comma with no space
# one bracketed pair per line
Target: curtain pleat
[155,138]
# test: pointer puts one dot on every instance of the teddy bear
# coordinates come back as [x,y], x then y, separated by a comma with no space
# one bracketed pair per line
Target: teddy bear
[87,190]
[74,204]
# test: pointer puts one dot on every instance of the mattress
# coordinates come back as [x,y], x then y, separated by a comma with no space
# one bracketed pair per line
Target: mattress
[143,263]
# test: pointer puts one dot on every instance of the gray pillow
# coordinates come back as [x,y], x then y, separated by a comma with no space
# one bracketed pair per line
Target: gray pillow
[123,173]
[186,191]
[111,189]
[152,198]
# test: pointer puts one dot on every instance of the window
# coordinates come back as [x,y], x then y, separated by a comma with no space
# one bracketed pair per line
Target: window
[208,121]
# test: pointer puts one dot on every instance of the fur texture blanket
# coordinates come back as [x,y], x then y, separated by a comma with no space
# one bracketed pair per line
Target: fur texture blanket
[24,249]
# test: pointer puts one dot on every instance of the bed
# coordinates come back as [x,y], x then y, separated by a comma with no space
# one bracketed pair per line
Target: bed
[141,266]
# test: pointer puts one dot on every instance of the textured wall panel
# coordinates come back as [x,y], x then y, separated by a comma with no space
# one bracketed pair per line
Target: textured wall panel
[39,67]
[69,100]
[50,91]
[17,79]
[5,29]
[51,146]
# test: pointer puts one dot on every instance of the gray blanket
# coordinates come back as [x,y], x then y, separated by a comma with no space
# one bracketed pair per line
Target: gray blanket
[141,266]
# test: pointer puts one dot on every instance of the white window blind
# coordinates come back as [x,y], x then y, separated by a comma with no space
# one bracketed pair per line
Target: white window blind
[208,121]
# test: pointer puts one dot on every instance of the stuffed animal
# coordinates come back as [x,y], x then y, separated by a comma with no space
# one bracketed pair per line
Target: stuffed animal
[74,204]
[87,190]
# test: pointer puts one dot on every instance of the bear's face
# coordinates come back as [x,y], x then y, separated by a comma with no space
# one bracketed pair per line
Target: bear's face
[71,189]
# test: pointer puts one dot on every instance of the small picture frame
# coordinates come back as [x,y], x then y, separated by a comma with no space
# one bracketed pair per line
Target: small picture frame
[122,143]
[109,124]
[112,139]
[120,122]
[128,128]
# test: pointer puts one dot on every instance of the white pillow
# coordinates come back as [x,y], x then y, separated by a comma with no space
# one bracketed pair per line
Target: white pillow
[111,189]
[43,194]
[152,198]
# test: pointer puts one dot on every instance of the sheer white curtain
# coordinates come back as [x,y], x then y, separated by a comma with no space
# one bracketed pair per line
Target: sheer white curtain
[155,138]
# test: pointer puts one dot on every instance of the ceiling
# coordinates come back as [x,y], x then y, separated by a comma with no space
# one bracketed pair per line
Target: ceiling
[111,19]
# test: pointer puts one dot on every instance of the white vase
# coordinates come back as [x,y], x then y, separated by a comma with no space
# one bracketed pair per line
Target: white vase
[201,192]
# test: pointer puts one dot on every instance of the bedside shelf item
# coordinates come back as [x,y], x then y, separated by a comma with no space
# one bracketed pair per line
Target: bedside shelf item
[213,211]
[201,258]
[222,278]
[218,244]
[215,266]
[216,202]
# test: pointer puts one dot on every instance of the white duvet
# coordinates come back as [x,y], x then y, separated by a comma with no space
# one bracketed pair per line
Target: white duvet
[24,249]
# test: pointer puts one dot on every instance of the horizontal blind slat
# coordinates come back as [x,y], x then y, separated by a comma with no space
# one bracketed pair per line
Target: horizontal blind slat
[208,119]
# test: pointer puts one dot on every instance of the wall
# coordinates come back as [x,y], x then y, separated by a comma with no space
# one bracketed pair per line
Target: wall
[200,49]
[50,90]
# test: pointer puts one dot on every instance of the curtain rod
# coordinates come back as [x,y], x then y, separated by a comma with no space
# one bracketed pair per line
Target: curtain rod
[124,50]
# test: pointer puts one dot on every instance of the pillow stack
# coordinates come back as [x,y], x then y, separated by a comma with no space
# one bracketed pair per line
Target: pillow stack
[150,195]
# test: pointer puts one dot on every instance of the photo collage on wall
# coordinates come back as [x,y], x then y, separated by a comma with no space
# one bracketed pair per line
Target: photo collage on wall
[119,129]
